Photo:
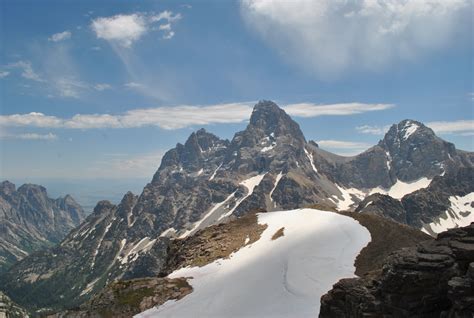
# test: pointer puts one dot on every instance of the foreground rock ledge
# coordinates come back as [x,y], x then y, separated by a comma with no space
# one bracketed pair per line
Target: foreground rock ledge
[434,279]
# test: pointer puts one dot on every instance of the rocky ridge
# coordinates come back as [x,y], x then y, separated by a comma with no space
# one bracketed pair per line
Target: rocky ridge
[30,220]
[434,279]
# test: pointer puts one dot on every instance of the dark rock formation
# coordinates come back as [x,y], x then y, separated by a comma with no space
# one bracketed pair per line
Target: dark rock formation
[435,279]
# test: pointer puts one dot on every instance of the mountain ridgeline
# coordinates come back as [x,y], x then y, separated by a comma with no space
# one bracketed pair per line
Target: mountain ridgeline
[268,166]
[30,220]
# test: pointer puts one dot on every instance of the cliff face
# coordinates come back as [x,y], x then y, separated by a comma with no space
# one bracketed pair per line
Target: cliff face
[434,279]
[30,220]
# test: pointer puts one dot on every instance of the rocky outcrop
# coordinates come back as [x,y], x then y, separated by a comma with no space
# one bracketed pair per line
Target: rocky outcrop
[434,279]
[30,220]
[127,298]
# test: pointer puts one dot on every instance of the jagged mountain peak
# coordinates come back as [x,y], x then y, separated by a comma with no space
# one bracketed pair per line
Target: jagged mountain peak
[268,117]
[413,151]
[7,187]
[35,189]
[408,130]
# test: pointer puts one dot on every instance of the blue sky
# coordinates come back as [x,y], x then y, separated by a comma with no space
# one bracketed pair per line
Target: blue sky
[101,89]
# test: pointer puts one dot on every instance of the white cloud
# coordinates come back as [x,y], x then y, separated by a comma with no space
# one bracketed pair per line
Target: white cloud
[342,144]
[372,130]
[29,136]
[179,116]
[4,74]
[133,85]
[463,127]
[69,87]
[27,70]
[127,29]
[314,110]
[102,86]
[344,148]
[330,37]
[57,37]
[124,29]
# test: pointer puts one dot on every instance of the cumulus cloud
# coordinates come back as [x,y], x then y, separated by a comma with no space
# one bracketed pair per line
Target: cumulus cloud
[57,37]
[179,116]
[330,37]
[127,29]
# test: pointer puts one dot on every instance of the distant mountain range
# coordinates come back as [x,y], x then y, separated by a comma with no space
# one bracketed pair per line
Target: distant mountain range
[30,220]
[269,166]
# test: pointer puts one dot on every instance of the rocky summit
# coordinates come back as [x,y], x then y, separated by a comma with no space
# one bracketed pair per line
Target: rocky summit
[268,166]
[30,220]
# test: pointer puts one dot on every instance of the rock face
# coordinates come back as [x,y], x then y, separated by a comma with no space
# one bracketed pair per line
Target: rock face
[428,205]
[268,166]
[30,220]
[435,279]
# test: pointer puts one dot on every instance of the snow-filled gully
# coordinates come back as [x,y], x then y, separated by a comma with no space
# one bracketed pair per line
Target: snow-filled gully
[285,277]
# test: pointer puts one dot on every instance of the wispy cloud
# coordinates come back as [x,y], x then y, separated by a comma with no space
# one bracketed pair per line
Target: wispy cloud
[26,70]
[57,37]
[29,136]
[372,130]
[344,148]
[452,127]
[127,29]
[314,110]
[332,37]
[102,86]
[179,116]
[4,74]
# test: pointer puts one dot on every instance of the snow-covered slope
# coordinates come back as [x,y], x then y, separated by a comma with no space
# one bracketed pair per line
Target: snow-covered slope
[284,277]
[461,213]
[400,188]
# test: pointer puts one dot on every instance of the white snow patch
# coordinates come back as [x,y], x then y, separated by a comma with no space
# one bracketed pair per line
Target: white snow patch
[400,188]
[214,173]
[277,180]
[389,160]
[89,287]
[268,148]
[285,277]
[453,217]
[208,214]
[409,129]
[100,241]
[165,233]
[142,246]
[310,157]
[347,197]
[250,184]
